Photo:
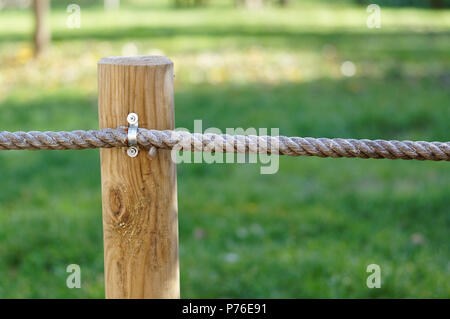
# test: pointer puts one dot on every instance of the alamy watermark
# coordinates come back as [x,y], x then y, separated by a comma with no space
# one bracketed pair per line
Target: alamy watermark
[374,279]
[374,19]
[74,279]
[221,150]
[74,19]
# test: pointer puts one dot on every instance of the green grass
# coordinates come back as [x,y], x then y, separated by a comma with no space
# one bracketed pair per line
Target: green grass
[308,231]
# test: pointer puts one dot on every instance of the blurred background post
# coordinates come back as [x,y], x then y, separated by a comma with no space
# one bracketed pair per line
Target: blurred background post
[42,30]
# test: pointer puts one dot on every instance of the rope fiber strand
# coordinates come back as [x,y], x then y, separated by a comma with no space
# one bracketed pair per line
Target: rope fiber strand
[185,141]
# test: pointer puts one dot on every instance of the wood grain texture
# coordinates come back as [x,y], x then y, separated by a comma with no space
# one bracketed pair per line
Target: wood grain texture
[139,195]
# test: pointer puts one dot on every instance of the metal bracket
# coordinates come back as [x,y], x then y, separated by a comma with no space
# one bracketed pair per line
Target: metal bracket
[133,121]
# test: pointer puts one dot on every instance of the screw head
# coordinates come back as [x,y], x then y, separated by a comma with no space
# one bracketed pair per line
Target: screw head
[132,151]
[132,118]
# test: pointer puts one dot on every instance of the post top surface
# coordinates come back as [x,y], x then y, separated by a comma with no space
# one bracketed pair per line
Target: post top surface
[136,60]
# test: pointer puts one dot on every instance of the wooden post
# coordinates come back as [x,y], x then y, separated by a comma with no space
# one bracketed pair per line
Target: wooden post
[41,30]
[140,214]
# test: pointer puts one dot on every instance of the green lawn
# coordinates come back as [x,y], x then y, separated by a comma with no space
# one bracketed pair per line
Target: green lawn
[308,231]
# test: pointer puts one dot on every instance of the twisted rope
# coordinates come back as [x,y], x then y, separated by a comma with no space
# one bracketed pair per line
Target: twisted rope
[185,141]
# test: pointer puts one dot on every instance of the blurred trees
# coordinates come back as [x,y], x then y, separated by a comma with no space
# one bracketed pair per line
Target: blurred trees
[189,3]
[405,3]
[439,3]
[255,4]
[14,3]
[250,4]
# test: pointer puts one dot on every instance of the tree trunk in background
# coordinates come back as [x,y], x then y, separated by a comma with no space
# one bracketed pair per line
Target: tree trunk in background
[254,4]
[283,3]
[42,30]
